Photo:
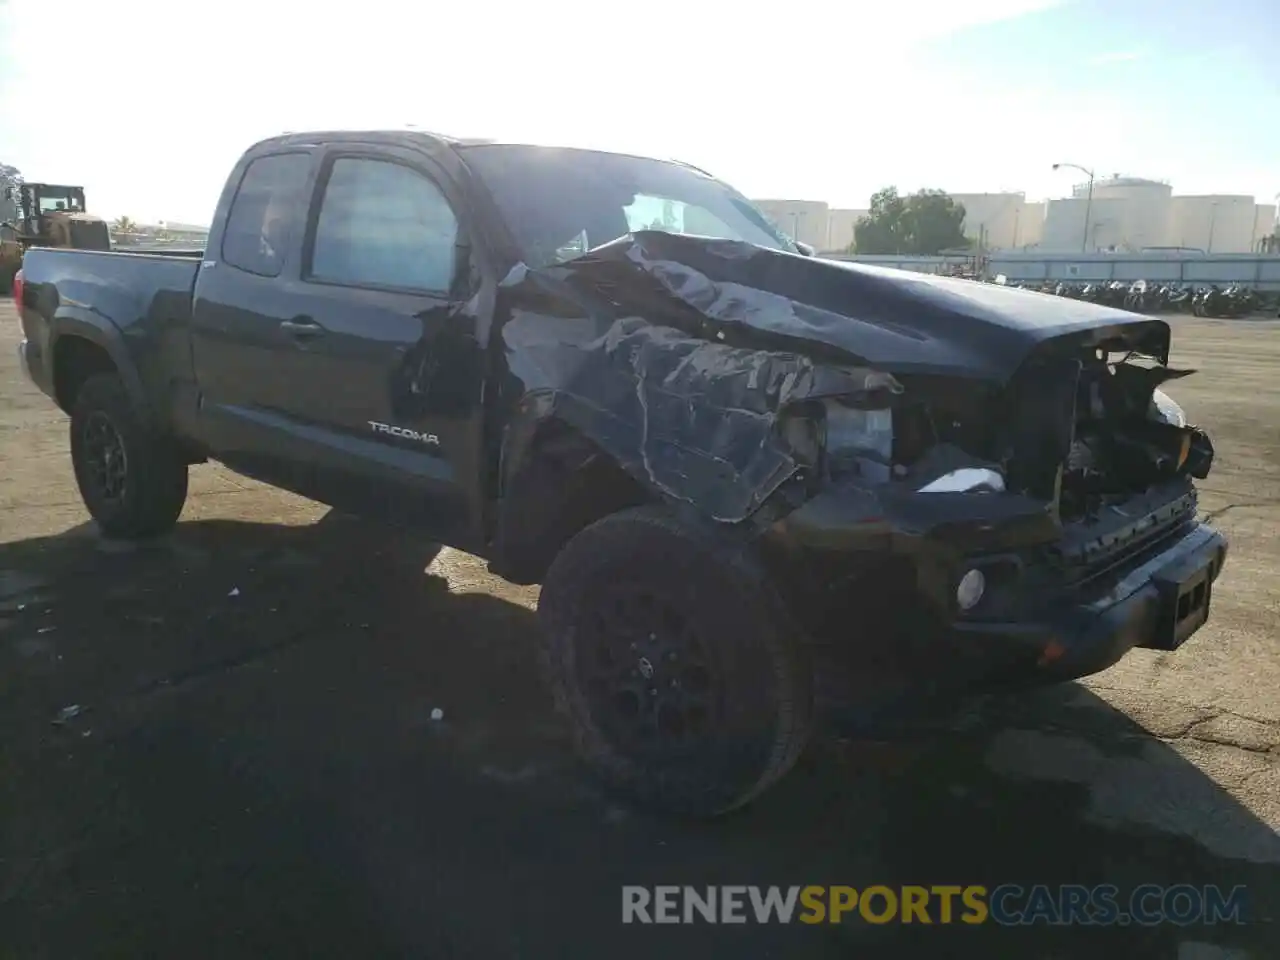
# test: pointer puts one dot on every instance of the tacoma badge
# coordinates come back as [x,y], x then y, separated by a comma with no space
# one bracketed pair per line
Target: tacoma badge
[409,434]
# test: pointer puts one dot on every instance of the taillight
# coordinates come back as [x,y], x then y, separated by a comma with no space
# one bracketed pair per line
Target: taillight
[17,289]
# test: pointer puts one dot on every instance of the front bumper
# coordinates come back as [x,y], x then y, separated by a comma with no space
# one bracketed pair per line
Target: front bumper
[1142,579]
[1158,604]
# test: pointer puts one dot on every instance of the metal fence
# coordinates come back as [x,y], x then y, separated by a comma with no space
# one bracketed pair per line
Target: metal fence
[1257,271]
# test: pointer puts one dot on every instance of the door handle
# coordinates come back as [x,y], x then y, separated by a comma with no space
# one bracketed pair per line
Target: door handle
[302,328]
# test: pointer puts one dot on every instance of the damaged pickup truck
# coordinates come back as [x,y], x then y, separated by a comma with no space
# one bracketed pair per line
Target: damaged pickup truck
[613,376]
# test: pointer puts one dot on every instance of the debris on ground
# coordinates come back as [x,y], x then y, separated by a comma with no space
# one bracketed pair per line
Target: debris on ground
[67,714]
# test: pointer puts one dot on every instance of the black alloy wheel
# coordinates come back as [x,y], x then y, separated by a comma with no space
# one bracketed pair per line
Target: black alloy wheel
[106,461]
[647,675]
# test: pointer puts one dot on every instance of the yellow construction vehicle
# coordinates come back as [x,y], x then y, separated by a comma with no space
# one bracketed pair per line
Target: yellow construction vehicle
[50,215]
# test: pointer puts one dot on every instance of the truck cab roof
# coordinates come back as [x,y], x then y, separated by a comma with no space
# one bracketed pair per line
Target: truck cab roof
[427,141]
[418,138]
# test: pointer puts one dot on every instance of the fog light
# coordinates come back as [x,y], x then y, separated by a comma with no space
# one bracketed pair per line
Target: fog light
[970,589]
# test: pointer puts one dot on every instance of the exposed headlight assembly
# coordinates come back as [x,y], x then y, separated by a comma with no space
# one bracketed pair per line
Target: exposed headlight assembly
[1165,409]
[861,437]
[851,439]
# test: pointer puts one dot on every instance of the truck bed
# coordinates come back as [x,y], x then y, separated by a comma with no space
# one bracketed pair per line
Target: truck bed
[123,287]
[137,300]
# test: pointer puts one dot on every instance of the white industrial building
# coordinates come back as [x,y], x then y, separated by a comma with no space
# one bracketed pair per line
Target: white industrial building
[840,227]
[1220,224]
[804,220]
[1125,215]
[997,221]
[1130,214]
[1001,221]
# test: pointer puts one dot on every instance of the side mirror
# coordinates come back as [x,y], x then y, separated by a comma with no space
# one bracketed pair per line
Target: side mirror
[805,249]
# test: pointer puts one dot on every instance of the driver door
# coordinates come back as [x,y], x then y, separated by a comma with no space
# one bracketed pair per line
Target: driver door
[386,366]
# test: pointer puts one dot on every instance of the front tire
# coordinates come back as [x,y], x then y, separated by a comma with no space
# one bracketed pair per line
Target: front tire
[684,682]
[132,480]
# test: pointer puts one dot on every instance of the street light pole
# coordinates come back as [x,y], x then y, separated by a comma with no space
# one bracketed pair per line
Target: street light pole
[1088,203]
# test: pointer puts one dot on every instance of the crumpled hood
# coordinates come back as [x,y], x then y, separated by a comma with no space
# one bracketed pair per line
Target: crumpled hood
[894,320]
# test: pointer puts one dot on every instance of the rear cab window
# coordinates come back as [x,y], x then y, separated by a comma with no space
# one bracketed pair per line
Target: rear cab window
[382,224]
[264,213]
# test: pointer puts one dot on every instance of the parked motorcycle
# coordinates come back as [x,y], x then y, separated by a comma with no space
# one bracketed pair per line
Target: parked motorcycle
[1136,297]
[1144,296]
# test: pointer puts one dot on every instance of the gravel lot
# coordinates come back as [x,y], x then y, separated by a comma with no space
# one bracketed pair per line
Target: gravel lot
[254,770]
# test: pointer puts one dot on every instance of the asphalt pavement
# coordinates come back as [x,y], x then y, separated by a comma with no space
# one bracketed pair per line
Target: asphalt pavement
[273,734]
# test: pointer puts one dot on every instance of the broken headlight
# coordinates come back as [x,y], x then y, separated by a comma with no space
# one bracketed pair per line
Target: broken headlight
[858,440]
[852,440]
[1164,409]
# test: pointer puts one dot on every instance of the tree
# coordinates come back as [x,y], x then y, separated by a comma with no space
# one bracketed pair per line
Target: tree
[10,179]
[923,224]
[124,225]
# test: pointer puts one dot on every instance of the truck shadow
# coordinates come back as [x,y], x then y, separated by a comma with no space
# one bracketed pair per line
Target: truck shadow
[277,740]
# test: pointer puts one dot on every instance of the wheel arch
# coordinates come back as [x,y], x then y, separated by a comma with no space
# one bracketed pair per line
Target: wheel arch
[554,481]
[82,344]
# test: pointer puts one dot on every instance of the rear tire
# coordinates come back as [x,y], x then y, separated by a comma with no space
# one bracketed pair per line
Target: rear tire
[132,480]
[685,684]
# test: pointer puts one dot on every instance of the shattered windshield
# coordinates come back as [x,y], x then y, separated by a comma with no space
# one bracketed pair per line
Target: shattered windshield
[560,203]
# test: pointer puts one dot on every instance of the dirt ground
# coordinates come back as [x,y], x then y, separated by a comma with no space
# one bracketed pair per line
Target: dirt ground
[223,745]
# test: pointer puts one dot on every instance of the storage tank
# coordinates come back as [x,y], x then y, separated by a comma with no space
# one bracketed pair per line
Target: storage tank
[1126,213]
[1064,225]
[1147,206]
[1031,225]
[1215,223]
[992,218]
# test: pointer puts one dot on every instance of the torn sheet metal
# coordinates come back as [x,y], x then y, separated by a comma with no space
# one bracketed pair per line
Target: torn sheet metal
[676,354]
[692,419]
[888,319]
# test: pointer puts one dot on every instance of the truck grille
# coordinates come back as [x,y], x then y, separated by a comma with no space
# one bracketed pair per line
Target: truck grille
[1121,534]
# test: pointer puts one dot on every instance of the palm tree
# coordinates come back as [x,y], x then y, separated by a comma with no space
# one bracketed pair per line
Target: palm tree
[124,225]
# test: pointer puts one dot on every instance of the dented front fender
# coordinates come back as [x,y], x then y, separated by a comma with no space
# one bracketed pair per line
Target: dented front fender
[691,419]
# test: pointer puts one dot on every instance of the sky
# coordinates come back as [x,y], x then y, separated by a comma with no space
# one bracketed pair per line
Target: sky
[148,103]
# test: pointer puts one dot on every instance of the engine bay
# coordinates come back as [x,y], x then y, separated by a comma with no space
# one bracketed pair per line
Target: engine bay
[1123,441]
[1088,431]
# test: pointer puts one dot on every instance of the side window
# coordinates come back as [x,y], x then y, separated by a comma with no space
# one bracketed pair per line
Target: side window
[257,233]
[383,224]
